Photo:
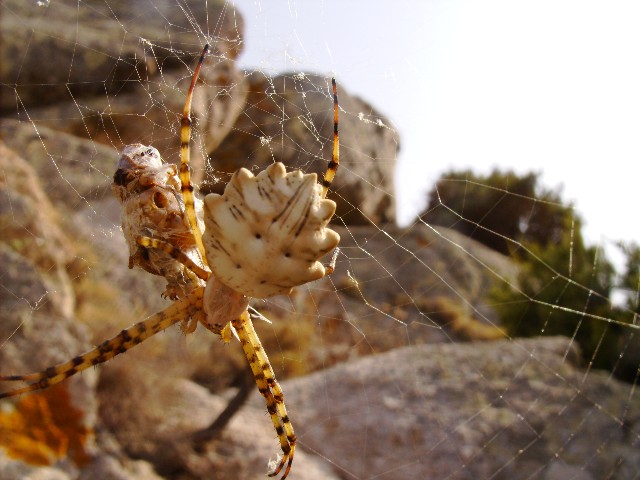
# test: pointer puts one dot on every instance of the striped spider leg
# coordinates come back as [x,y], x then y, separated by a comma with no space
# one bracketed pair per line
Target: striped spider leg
[263,236]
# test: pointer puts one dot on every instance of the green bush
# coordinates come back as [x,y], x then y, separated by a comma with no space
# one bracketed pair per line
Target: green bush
[564,286]
[499,210]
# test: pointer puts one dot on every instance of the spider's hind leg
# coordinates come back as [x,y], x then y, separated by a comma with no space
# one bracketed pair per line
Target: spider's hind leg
[269,388]
[125,340]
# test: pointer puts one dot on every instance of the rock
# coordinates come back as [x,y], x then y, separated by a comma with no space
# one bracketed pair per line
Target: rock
[57,423]
[92,88]
[15,470]
[76,171]
[289,119]
[109,468]
[150,112]
[394,287]
[41,335]
[31,227]
[98,49]
[35,252]
[172,408]
[36,306]
[463,411]
[126,81]
[160,432]
[398,264]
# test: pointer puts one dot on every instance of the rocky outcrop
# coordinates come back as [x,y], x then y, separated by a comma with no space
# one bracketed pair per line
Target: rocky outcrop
[118,88]
[92,50]
[467,410]
[289,118]
[238,119]
[507,409]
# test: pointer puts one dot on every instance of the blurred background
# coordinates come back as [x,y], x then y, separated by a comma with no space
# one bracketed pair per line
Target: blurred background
[482,318]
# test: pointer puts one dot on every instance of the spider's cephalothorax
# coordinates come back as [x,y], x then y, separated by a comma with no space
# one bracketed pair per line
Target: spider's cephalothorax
[264,235]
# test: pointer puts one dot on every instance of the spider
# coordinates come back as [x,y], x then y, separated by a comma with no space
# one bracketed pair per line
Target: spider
[263,236]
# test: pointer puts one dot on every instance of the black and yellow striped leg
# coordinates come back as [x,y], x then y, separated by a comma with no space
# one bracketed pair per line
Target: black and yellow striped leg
[185,158]
[334,163]
[125,340]
[269,388]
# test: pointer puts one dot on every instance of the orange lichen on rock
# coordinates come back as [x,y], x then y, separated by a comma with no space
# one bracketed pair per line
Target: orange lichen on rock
[45,427]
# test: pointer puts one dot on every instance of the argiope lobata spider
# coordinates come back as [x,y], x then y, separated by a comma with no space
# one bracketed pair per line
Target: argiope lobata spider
[263,236]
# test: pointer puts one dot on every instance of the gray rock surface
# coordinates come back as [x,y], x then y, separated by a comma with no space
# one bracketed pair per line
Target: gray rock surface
[506,410]
[99,48]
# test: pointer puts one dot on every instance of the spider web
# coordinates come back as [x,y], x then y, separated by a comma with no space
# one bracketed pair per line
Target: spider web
[427,353]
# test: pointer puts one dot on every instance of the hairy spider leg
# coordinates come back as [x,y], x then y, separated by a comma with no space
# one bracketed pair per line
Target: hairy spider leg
[185,158]
[269,389]
[257,357]
[125,340]
[334,163]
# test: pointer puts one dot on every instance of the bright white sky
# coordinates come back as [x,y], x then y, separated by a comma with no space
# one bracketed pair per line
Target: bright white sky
[549,86]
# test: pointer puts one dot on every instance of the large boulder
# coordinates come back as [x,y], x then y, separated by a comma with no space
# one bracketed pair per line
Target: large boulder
[99,48]
[506,409]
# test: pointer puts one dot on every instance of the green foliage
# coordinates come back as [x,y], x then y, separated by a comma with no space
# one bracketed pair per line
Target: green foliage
[562,287]
[497,210]
[628,340]
[630,279]
[565,286]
